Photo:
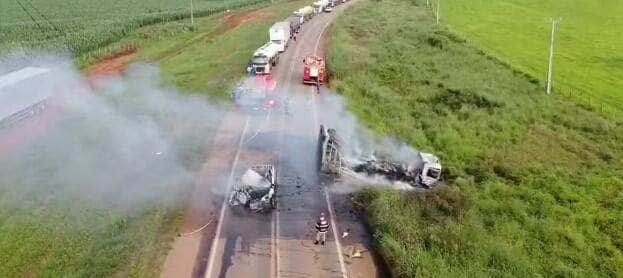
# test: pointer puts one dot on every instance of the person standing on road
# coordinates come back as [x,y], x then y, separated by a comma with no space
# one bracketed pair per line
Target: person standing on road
[322,226]
[250,69]
[318,86]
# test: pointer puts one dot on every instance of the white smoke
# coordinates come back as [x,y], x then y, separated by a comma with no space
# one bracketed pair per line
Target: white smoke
[359,144]
[126,142]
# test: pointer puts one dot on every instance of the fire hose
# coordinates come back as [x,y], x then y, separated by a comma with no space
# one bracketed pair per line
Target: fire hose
[197,230]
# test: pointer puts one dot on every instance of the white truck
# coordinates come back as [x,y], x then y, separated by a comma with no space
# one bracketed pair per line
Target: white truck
[23,93]
[265,58]
[320,5]
[305,13]
[279,34]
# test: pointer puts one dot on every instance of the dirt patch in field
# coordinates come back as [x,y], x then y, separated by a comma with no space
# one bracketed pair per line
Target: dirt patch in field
[232,20]
[111,65]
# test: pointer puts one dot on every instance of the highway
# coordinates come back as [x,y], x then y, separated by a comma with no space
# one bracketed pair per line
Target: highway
[280,243]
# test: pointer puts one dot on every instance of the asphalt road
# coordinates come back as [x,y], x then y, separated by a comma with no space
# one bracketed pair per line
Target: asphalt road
[280,243]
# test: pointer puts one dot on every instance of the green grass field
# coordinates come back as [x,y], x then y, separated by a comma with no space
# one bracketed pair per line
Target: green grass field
[83,26]
[57,230]
[589,45]
[534,182]
[211,58]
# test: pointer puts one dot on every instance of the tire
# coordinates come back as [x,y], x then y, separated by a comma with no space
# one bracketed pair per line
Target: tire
[273,203]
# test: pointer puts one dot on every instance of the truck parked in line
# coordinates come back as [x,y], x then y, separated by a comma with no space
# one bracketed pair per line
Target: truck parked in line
[305,13]
[265,58]
[320,5]
[22,95]
[295,24]
[279,34]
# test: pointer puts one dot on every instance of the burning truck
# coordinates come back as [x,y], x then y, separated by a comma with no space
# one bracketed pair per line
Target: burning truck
[423,172]
[256,189]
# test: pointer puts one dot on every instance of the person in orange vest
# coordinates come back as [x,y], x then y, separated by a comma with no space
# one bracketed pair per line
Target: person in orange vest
[322,226]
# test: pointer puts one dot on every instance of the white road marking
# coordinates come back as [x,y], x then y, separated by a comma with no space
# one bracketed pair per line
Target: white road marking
[216,240]
[261,127]
[273,244]
[334,229]
[276,218]
[338,246]
[320,36]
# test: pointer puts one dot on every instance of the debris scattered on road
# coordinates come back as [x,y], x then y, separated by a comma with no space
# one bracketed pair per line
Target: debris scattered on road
[354,252]
[391,170]
[256,190]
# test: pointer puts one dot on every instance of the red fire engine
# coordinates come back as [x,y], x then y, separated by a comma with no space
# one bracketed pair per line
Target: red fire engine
[313,71]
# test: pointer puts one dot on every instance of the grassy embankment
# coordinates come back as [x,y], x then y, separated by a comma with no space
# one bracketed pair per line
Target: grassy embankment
[535,184]
[588,57]
[50,228]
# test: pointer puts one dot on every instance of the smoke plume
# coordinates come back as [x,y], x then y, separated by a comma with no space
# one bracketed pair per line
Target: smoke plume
[359,144]
[121,142]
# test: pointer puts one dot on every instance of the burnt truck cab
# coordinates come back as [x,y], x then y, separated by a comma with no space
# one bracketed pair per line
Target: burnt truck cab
[256,189]
[429,170]
[254,94]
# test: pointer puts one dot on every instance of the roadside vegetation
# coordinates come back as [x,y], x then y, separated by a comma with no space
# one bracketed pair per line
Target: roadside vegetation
[54,223]
[84,26]
[211,58]
[588,60]
[534,182]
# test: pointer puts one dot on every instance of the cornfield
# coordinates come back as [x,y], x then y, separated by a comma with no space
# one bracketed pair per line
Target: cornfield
[81,26]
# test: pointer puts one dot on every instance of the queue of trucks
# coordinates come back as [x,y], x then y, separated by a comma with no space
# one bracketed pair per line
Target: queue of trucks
[266,57]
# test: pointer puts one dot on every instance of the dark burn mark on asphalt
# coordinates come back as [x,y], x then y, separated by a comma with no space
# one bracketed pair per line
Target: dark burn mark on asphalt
[228,253]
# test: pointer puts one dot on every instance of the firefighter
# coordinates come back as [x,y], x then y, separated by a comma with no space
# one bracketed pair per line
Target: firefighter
[250,69]
[322,226]
[318,86]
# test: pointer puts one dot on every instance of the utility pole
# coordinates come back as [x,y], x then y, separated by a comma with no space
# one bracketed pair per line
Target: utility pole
[551,56]
[192,18]
[438,1]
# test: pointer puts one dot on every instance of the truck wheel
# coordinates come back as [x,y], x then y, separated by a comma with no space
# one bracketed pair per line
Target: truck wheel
[273,203]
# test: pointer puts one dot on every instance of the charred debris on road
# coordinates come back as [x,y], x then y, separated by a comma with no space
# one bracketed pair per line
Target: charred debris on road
[423,172]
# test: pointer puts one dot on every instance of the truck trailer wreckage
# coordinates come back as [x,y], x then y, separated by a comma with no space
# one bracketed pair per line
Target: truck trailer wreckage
[256,189]
[423,172]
